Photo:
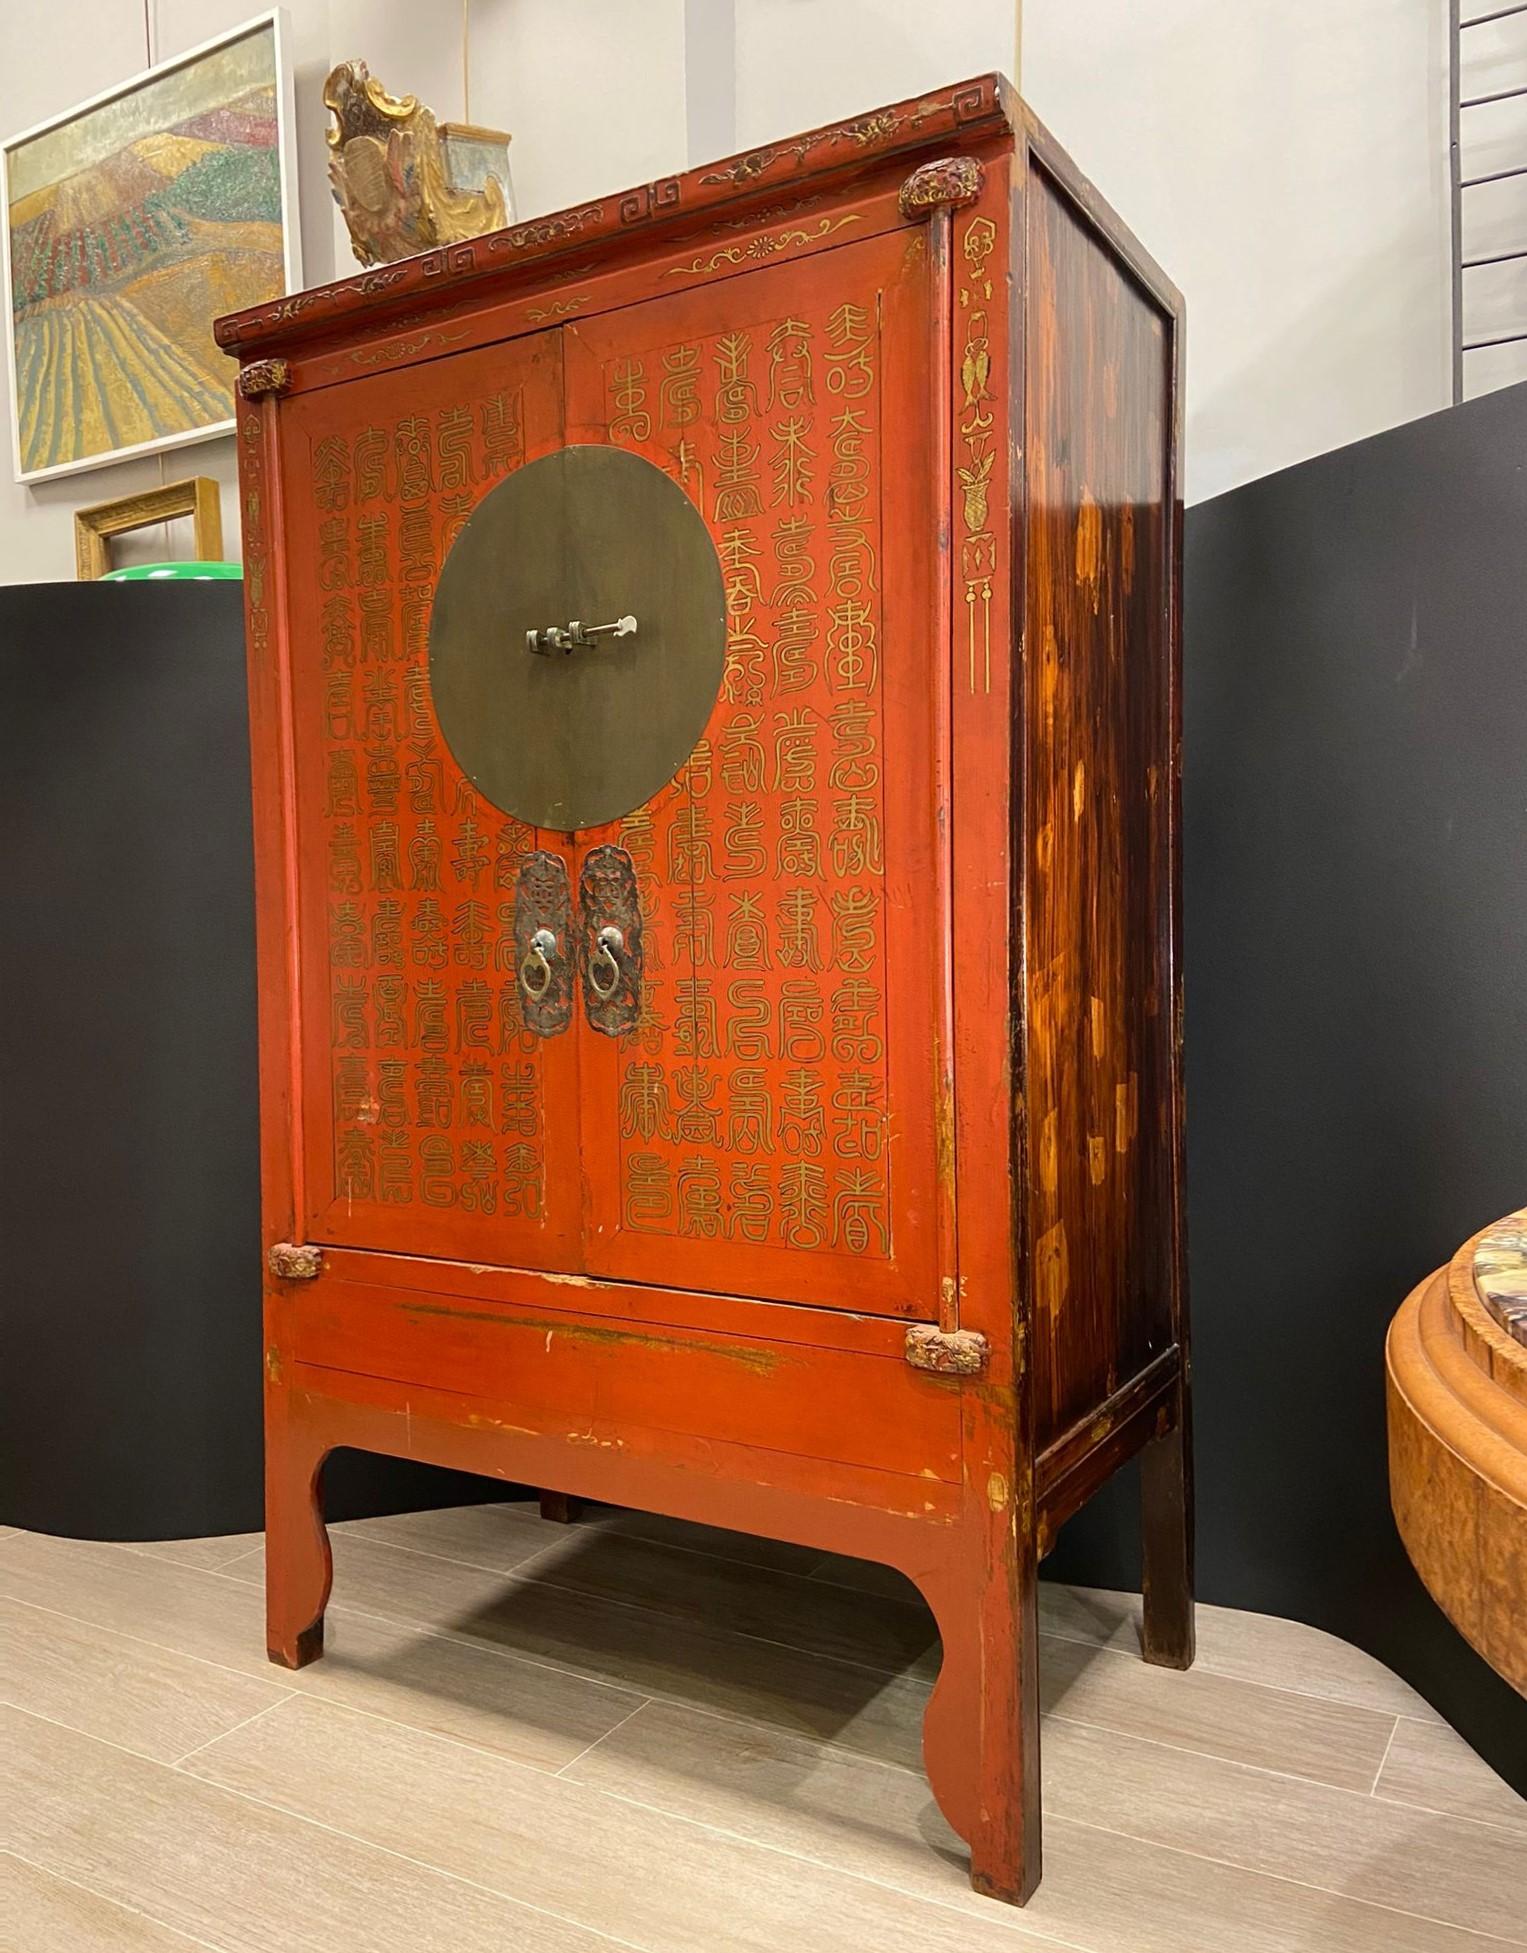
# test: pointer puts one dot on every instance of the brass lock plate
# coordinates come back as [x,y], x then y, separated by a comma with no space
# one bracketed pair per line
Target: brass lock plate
[561,722]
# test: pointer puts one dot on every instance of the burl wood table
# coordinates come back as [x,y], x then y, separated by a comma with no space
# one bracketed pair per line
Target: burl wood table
[1457,1361]
[714,667]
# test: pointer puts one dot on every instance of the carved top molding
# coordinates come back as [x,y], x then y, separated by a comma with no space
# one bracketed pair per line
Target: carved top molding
[982,109]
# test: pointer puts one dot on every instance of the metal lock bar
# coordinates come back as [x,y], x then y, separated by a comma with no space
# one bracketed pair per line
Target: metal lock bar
[566,638]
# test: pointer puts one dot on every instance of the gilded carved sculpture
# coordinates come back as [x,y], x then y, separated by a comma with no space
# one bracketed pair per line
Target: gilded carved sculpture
[405,182]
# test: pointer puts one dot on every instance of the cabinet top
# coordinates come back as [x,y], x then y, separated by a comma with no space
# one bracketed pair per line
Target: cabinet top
[970,112]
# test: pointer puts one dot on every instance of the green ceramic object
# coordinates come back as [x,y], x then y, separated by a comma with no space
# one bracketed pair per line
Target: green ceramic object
[176,572]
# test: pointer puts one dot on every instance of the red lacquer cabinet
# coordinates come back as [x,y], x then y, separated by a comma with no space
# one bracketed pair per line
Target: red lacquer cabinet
[722,1055]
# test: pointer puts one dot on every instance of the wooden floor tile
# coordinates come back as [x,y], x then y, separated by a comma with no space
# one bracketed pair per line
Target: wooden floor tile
[209,1553]
[156,1601]
[234,1873]
[653,1881]
[1302,1735]
[783,1555]
[539,1715]
[891,1635]
[43,1914]
[1102,1892]
[735,1770]
[865,1576]
[1442,1868]
[144,1698]
[1430,1766]
[1247,1647]
[632,1647]
[496,1536]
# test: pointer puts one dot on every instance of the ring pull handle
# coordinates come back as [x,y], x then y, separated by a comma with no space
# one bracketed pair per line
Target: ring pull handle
[604,965]
[610,942]
[535,966]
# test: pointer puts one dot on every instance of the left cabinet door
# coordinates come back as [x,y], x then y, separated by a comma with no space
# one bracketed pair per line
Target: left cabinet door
[433,1120]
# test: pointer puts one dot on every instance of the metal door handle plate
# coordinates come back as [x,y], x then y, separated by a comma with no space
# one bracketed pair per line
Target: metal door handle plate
[610,935]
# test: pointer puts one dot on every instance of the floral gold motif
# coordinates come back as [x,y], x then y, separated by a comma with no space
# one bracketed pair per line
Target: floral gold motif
[761,247]
[974,482]
[558,309]
[394,350]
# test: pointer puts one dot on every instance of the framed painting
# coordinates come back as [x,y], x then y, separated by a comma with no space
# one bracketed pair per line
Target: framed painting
[131,223]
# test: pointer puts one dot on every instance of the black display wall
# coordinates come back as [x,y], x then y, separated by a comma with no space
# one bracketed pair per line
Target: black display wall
[1355,803]
[129,1165]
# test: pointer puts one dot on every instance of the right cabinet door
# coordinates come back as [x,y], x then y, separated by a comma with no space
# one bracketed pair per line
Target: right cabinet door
[770,1127]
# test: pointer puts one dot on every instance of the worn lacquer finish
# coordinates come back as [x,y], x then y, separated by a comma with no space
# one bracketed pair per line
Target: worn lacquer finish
[800,1149]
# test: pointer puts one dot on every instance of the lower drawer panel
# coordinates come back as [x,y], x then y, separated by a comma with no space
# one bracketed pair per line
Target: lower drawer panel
[561,1374]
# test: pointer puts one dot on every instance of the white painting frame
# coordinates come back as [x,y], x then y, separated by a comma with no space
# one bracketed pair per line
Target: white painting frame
[274,22]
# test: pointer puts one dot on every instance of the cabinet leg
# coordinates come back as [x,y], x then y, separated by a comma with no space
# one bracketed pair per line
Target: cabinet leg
[981,1731]
[1166,1525]
[561,1508]
[298,1565]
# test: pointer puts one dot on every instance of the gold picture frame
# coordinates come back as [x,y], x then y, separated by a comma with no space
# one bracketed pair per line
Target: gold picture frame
[197,496]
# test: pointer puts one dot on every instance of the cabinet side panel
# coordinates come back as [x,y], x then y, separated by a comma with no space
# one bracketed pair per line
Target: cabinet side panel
[1100,1070]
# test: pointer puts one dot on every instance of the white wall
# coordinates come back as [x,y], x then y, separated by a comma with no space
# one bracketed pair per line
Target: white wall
[1284,159]
[1495,215]
[803,62]
[593,90]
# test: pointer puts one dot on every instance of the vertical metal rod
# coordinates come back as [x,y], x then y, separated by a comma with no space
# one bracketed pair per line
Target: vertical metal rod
[941,375]
[1455,171]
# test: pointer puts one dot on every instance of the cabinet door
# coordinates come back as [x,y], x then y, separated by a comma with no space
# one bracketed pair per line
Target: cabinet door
[769,1128]
[432,1120]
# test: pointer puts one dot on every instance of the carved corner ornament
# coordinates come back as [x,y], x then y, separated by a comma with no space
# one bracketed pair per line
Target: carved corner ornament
[946,1352]
[405,182]
[262,376]
[290,1263]
[948,184]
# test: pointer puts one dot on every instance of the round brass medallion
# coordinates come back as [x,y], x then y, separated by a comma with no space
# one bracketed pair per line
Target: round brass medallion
[555,705]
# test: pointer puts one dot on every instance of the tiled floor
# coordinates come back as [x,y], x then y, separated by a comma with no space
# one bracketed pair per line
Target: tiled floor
[537,1739]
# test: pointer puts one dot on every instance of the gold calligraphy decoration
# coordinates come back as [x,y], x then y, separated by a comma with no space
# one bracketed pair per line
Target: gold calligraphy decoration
[976,422]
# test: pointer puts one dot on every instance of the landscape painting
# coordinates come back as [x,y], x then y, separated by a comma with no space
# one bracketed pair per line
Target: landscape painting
[131,224]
